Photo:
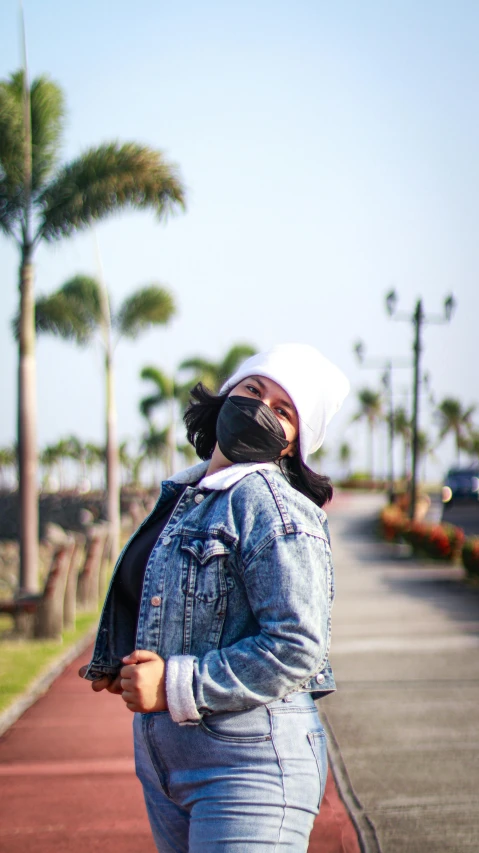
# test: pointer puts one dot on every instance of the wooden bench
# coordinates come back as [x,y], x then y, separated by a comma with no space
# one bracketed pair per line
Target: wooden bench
[76,563]
[41,615]
[92,579]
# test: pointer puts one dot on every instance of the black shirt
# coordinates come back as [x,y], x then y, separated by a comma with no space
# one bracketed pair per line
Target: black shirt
[131,571]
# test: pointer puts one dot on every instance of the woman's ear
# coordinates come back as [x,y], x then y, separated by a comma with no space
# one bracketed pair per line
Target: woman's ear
[293,449]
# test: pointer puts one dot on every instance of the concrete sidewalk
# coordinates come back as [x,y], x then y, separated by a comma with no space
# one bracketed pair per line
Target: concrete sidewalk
[405,718]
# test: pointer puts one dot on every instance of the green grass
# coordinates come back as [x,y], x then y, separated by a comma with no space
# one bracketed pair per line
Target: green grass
[21,661]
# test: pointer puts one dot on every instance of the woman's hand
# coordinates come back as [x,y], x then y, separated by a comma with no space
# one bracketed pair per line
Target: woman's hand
[143,682]
[106,683]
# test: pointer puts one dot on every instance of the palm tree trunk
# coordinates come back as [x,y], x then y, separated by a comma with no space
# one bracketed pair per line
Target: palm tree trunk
[26,404]
[112,457]
[371,451]
[171,441]
[27,429]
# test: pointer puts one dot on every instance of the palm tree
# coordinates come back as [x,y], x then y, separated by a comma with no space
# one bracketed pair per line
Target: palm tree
[402,428]
[51,457]
[77,452]
[456,420]
[95,458]
[345,457]
[40,202]
[188,452]
[8,461]
[214,373]
[80,310]
[167,394]
[127,463]
[425,449]
[370,410]
[154,446]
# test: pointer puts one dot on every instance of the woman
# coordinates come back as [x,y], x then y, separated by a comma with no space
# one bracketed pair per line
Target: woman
[225,595]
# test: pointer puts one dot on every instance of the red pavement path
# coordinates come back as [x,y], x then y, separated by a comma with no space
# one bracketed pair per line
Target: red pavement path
[67,780]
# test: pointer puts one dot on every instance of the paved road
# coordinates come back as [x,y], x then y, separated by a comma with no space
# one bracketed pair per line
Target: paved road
[406,657]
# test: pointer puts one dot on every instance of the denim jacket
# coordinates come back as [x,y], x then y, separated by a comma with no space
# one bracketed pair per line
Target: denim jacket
[237,594]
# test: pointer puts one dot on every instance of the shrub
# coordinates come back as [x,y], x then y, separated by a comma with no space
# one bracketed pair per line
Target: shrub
[393,523]
[470,556]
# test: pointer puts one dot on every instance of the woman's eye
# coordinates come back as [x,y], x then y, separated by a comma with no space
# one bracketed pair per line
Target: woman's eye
[283,413]
[253,389]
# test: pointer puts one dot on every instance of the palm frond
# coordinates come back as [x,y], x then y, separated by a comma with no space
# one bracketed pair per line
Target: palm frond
[11,154]
[188,451]
[105,180]
[155,443]
[47,110]
[163,382]
[72,312]
[11,207]
[200,365]
[12,132]
[147,307]
[232,360]
[147,404]
[370,406]
[84,292]
[201,370]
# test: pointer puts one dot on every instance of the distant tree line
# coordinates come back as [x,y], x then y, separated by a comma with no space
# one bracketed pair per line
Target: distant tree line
[451,417]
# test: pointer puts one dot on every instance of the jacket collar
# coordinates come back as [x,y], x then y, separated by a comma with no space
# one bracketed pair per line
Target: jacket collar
[223,479]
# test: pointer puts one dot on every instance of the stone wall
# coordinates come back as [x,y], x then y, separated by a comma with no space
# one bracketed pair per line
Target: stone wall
[70,510]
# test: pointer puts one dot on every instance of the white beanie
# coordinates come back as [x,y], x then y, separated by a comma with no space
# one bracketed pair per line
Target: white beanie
[316,386]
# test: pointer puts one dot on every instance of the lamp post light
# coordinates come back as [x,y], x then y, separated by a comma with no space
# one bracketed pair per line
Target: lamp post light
[418,318]
[387,379]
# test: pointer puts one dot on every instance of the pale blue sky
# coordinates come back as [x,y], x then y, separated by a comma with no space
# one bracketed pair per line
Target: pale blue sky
[330,151]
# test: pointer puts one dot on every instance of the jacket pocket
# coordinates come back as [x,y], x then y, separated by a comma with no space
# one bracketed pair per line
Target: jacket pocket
[205,585]
[205,576]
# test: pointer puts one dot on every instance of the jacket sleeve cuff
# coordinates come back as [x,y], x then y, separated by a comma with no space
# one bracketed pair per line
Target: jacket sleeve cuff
[179,689]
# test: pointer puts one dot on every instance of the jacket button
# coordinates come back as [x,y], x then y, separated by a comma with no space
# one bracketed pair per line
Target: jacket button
[166,540]
[156,601]
[199,498]
[288,699]
[320,678]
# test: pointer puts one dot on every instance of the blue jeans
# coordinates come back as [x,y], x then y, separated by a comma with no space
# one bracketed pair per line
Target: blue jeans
[239,782]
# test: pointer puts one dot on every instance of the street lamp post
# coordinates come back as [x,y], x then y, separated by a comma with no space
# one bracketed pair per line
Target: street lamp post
[418,319]
[387,379]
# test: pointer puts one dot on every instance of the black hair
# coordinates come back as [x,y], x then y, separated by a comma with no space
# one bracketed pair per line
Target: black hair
[200,420]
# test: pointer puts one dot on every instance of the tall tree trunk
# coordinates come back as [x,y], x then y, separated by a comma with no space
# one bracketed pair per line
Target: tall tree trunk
[171,441]
[27,428]
[112,457]
[405,458]
[371,450]
[112,453]
[26,403]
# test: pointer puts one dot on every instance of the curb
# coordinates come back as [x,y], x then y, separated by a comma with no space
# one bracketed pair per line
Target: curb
[365,829]
[42,682]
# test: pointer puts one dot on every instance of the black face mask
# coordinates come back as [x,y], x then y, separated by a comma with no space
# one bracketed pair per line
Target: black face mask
[248,431]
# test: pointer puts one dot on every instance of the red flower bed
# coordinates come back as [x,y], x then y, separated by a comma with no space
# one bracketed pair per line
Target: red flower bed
[439,541]
[393,522]
[470,556]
